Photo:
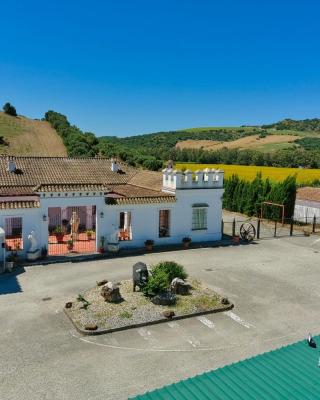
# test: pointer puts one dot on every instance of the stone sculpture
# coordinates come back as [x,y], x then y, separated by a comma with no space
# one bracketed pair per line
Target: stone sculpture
[111,293]
[140,275]
[74,222]
[179,286]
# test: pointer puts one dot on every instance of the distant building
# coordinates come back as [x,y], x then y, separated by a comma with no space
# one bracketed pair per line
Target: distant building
[307,204]
[104,201]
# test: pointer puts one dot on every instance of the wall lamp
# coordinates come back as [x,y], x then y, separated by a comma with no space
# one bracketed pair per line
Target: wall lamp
[101,214]
[44,218]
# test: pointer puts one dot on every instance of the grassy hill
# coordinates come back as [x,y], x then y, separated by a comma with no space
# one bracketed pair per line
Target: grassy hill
[26,137]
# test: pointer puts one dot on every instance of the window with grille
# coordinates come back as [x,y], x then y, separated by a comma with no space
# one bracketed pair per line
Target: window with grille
[164,223]
[125,230]
[199,219]
[13,230]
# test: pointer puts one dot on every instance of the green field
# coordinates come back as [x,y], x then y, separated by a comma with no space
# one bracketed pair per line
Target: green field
[249,172]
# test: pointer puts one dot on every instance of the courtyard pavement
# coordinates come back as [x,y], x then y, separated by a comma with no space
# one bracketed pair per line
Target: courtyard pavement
[273,283]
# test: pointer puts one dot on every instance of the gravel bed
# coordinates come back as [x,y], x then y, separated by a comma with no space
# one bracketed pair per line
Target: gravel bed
[136,308]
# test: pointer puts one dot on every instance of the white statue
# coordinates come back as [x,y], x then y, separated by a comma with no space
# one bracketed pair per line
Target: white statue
[74,222]
[34,252]
[33,240]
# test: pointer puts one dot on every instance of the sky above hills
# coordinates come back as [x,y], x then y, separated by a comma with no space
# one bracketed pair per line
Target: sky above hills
[136,66]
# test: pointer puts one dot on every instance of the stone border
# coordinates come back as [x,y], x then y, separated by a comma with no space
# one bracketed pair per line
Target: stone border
[153,322]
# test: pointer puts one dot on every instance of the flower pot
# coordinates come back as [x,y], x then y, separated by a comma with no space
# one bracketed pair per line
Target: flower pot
[70,247]
[101,250]
[186,245]
[149,247]
[89,237]
[236,239]
[59,237]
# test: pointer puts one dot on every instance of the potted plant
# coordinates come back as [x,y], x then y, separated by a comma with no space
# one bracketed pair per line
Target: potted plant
[70,244]
[101,248]
[186,242]
[89,234]
[58,232]
[149,244]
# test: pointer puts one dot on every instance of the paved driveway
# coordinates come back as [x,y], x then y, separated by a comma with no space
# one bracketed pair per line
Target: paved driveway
[274,285]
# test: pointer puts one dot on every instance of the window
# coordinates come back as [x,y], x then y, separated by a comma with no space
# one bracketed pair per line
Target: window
[199,218]
[164,223]
[13,230]
[125,232]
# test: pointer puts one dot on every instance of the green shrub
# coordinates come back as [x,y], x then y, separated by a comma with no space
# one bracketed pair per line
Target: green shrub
[172,270]
[161,277]
[158,282]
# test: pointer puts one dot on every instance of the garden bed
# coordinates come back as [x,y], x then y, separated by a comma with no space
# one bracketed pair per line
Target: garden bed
[136,309]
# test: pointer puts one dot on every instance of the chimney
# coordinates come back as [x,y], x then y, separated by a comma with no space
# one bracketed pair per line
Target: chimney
[114,165]
[11,164]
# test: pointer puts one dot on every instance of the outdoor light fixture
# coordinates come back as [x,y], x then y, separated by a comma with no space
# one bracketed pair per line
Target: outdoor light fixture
[44,218]
[101,214]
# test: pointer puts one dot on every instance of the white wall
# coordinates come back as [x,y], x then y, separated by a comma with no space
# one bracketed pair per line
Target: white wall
[304,211]
[144,217]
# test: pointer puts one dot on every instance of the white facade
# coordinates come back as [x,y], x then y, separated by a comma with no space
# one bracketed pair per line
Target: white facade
[305,211]
[202,190]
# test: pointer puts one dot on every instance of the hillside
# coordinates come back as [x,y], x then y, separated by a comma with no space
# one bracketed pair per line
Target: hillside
[27,137]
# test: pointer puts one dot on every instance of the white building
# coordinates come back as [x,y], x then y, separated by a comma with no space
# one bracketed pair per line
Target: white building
[307,205]
[41,194]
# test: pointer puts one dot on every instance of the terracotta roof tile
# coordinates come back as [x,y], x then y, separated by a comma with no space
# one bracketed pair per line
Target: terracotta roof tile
[70,187]
[145,200]
[5,205]
[308,194]
[66,174]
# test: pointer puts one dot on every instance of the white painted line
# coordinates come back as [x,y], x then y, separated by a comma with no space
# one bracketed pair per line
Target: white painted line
[237,319]
[205,321]
[144,333]
[191,342]
[173,324]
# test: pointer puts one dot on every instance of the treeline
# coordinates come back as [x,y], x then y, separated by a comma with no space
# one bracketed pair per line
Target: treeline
[246,197]
[77,142]
[291,157]
[152,150]
[296,125]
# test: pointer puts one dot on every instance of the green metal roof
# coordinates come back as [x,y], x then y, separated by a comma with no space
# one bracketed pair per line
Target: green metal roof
[291,372]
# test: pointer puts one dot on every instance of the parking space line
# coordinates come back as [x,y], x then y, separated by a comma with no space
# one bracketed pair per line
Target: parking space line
[237,319]
[143,332]
[173,324]
[205,321]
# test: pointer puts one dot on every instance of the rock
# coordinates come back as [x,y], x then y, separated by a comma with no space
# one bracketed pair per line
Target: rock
[168,313]
[111,293]
[164,299]
[179,286]
[91,327]
[103,282]
[225,301]
[69,304]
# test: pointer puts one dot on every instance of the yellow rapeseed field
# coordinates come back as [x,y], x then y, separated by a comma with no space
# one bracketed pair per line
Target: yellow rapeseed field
[249,172]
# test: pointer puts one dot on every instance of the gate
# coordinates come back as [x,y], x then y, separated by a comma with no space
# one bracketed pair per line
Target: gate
[62,240]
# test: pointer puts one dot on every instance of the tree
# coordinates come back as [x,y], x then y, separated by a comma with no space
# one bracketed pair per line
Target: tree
[9,109]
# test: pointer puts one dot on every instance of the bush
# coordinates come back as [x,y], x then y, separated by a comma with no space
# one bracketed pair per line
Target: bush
[158,282]
[9,109]
[172,270]
[161,277]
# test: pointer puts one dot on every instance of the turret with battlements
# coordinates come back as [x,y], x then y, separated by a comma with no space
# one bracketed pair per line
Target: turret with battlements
[201,179]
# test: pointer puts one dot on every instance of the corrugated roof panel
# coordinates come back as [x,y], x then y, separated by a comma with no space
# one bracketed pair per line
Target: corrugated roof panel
[291,372]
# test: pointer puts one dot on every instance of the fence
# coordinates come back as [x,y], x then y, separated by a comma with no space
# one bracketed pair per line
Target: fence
[264,228]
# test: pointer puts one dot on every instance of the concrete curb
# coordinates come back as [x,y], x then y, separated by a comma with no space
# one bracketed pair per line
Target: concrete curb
[124,253]
[138,325]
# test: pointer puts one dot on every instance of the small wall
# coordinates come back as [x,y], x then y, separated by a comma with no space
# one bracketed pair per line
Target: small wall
[304,211]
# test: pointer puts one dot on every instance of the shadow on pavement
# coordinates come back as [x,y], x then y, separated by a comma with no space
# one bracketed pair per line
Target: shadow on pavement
[9,283]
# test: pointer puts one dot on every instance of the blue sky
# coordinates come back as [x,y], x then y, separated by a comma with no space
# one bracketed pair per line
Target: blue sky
[135,66]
